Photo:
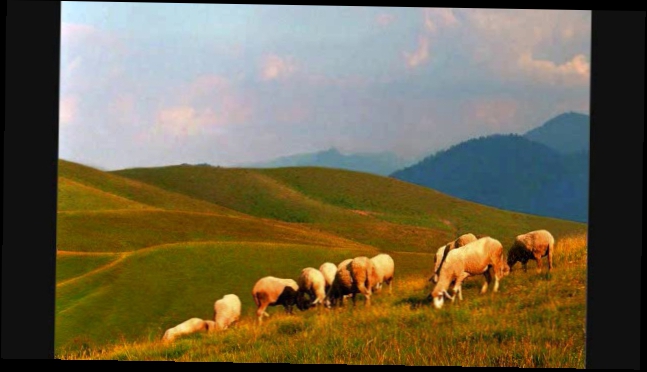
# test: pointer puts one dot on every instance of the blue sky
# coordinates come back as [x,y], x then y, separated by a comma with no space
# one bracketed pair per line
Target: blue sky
[145,84]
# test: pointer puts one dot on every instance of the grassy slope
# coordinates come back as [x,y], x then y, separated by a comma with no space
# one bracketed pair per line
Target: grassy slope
[363,207]
[535,320]
[154,289]
[174,264]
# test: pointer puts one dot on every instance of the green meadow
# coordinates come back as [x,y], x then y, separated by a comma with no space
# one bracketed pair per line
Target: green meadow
[142,250]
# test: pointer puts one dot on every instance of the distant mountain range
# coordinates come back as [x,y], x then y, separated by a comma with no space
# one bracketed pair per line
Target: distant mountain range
[544,172]
[383,163]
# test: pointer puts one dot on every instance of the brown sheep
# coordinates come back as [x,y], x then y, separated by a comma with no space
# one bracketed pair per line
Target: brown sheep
[312,282]
[226,311]
[357,276]
[187,327]
[481,257]
[532,246]
[385,268]
[272,291]
[442,252]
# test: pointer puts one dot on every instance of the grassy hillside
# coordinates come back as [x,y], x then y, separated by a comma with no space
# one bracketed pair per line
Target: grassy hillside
[350,204]
[533,321]
[142,250]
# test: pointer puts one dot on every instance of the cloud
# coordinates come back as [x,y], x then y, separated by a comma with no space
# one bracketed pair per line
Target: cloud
[577,70]
[439,17]
[204,105]
[275,67]
[384,19]
[68,110]
[184,121]
[421,55]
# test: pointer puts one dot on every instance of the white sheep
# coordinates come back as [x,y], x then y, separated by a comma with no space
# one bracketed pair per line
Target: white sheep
[442,252]
[187,327]
[312,282]
[481,257]
[385,269]
[532,246]
[272,291]
[328,270]
[226,311]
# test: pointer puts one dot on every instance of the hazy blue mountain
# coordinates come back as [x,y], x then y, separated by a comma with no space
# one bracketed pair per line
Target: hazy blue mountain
[383,163]
[567,133]
[508,172]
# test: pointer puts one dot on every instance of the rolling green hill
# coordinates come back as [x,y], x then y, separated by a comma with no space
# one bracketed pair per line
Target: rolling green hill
[354,205]
[142,250]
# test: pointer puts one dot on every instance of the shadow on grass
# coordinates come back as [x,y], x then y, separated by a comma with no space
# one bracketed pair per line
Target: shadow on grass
[414,302]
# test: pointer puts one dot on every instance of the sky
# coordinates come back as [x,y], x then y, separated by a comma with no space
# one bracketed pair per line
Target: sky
[154,84]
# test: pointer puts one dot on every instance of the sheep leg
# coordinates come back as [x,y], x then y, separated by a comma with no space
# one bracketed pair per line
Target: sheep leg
[524,265]
[550,258]
[261,312]
[458,287]
[391,286]
[488,279]
[538,259]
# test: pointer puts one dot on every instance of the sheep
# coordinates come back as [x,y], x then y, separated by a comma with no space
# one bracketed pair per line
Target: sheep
[442,252]
[532,246]
[226,311]
[385,268]
[328,270]
[187,327]
[481,257]
[312,282]
[272,291]
[357,275]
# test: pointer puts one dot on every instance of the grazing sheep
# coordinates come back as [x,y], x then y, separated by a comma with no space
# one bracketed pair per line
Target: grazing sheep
[385,268]
[185,328]
[442,252]
[226,311]
[272,291]
[357,276]
[481,257]
[312,282]
[532,246]
[328,270]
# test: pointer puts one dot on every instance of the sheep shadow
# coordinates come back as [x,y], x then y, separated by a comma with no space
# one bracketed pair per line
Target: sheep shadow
[414,302]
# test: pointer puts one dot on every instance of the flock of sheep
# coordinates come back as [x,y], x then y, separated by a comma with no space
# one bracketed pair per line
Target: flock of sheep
[330,284]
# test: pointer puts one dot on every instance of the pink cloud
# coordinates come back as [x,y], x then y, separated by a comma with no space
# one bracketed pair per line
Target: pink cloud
[439,17]
[68,109]
[275,67]
[183,121]
[575,71]
[385,19]
[421,55]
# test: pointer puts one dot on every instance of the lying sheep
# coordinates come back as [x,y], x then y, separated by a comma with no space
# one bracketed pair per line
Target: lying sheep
[272,291]
[532,246]
[226,311]
[385,268]
[357,276]
[311,282]
[187,327]
[481,257]
[442,252]
[328,270]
